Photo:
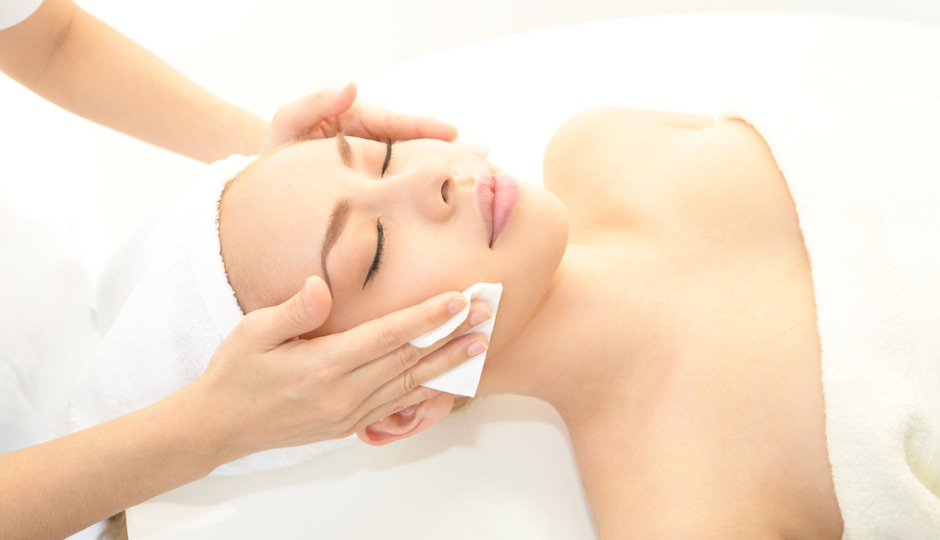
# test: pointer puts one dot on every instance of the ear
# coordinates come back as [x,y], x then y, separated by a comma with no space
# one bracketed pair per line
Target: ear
[408,422]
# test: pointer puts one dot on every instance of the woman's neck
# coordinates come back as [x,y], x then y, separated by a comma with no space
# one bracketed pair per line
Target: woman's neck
[602,333]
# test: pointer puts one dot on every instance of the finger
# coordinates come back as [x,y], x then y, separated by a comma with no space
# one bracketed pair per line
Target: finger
[416,396]
[479,311]
[376,338]
[300,119]
[379,123]
[446,358]
[301,313]
[370,376]
[404,127]
[343,99]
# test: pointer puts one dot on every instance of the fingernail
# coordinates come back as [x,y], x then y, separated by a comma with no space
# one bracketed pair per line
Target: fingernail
[341,92]
[479,316]
[476,348]
[308,304]
[457,304]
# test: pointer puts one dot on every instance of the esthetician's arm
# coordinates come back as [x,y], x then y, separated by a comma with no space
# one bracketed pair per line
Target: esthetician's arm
[263,389]
[83,65]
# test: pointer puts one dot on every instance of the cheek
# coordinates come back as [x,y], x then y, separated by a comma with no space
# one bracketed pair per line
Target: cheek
[433,265]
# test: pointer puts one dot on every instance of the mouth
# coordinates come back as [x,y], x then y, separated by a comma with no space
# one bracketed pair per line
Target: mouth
[496,198]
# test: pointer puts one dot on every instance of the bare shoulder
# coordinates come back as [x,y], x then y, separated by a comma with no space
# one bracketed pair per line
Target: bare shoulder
[610,161]
[598,116]
[595,130]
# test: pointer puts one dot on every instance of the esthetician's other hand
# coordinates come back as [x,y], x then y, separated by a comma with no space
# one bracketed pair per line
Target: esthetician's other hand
[331,111]
[266,388]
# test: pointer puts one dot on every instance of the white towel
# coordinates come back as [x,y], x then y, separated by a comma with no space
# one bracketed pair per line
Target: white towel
[863,168]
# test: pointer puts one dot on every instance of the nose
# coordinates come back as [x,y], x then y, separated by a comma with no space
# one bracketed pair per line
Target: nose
[425,187]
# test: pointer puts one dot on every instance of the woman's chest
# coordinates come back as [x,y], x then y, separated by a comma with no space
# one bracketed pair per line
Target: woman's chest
[737,441]
[741,431]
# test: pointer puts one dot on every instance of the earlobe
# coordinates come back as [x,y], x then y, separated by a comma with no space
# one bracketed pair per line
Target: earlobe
[408,422]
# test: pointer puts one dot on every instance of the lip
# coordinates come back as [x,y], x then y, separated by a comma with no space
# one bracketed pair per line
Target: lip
[496,198]
[485,199]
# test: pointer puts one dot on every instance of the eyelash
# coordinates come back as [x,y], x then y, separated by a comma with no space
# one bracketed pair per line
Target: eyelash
[380,244]
[379,251]
[388,155]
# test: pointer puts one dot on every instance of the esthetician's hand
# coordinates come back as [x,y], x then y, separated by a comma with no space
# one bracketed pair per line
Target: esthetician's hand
[328,112]
[266,388]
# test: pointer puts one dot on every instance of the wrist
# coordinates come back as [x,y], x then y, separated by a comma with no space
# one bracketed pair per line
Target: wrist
[203,440]
[256,134]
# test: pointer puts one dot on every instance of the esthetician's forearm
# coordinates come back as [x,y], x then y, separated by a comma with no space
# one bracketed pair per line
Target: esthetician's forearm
[60,487]
[81,64]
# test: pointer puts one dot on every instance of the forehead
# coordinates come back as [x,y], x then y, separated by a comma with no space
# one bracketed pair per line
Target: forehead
[274,216]
[302,179]
[299,160]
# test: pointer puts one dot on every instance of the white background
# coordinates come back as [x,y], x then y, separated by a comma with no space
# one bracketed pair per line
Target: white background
[95,185]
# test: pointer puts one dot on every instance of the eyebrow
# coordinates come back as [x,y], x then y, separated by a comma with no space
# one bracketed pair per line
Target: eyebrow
[345,151]
[338,218]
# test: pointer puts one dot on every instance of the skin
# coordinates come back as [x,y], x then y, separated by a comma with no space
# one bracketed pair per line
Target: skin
[666,309]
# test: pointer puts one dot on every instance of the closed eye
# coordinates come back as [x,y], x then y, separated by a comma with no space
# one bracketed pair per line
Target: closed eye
[388,155]
[379,251]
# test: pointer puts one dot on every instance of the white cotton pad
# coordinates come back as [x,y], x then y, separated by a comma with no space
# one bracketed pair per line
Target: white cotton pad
[472,143]
[465,378]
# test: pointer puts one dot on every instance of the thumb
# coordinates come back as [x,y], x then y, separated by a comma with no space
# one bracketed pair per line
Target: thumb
[343,98]
[298,315]
[299,119]
[323,105]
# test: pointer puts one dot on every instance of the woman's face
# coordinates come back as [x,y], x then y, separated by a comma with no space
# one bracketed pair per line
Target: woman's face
[385,241]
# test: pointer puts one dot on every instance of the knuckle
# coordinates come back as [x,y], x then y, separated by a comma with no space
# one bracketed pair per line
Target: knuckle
[390,337]
[406,357]
[295,317]
[408,382]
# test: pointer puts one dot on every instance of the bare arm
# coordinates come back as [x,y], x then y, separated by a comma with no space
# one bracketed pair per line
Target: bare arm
[81,64]
[57,488]
[263,389]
